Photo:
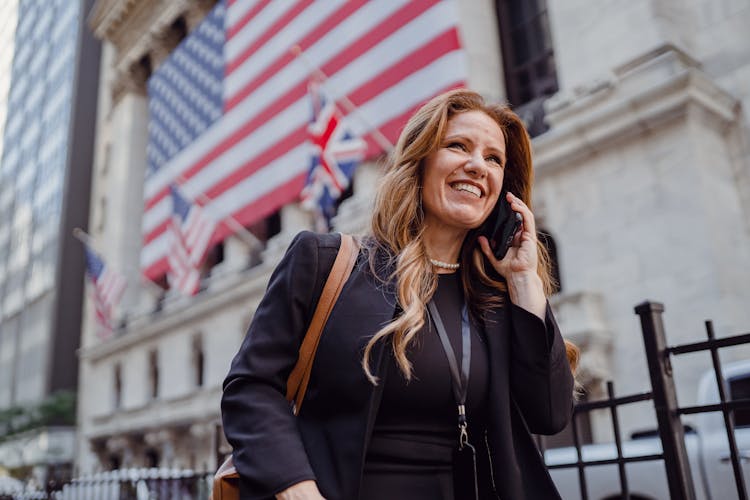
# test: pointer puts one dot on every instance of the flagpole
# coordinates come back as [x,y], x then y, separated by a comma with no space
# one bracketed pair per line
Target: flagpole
[377,135]
[87,240]
[241,231]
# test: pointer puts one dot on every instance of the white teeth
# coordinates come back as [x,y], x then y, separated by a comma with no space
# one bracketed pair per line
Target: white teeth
[461,186]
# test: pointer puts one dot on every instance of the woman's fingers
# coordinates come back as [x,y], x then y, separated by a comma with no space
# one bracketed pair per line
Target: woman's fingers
[517,204]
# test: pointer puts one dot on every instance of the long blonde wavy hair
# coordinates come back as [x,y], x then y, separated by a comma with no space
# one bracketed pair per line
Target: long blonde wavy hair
[398,222]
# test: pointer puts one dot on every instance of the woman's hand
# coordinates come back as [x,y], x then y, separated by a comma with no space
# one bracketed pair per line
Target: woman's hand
[519,266]
[305,490]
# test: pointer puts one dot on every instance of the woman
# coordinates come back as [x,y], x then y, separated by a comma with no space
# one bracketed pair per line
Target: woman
[381,415]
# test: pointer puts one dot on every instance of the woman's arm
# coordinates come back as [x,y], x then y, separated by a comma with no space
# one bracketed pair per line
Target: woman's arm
[258,421]
[540,377]
[541,380]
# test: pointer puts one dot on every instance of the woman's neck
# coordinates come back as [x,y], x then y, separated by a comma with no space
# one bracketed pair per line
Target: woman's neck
[443,244]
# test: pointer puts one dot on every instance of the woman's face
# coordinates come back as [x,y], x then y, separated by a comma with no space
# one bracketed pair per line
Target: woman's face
[462,179]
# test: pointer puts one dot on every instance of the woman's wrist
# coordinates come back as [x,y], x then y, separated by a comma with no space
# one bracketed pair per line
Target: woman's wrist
[304,490]
[526,290]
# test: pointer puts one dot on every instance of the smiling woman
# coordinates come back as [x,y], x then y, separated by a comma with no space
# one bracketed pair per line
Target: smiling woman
[438,360]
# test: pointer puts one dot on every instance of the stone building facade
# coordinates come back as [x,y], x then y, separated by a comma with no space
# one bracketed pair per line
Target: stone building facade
[642,180]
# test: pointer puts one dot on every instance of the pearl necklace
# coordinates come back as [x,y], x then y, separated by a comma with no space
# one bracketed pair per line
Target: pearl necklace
[445,265]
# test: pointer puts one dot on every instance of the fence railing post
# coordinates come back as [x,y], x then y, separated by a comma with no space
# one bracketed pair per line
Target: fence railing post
[665,402]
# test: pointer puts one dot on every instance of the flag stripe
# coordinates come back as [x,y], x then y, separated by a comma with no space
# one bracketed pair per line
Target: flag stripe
[237,18]
[270,32]
[288,57]
[281,43]
[241,36]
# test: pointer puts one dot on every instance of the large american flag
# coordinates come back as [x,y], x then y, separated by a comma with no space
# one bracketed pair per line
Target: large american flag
[107,289]
[229,109]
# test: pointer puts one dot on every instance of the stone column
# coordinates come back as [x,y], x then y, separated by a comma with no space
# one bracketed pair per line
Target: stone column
[129,124]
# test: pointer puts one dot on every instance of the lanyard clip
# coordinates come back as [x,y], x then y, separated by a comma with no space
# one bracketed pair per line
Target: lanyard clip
[463,434]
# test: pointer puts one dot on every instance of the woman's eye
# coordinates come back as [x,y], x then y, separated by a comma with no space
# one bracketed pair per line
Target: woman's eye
[456,145]
[495,159]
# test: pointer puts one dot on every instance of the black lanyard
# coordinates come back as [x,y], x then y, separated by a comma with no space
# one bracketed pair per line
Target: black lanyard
[460,381]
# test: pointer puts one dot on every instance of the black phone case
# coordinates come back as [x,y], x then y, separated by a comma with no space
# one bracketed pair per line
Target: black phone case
[501,226]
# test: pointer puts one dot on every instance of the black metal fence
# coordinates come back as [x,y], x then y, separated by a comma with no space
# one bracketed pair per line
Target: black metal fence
[671,430]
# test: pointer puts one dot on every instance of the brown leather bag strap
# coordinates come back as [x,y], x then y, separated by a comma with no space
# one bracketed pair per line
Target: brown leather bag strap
[296,385]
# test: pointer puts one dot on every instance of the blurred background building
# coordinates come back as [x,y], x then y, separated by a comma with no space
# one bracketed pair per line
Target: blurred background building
[638,112]
[48,78]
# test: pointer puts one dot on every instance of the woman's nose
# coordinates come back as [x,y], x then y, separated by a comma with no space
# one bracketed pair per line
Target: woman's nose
[476,165]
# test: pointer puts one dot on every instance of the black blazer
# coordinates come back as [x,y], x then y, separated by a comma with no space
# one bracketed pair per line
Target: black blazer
[531,385]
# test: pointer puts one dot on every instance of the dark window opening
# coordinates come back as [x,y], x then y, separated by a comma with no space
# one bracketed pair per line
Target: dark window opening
[198,361]
[267,228]
[118,386]
[528,58]
[214,257]
[153,363]
[114,462]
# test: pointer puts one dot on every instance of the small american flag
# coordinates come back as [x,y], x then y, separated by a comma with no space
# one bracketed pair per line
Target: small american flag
[190,235]
[229,110]
[108,287]
[335,155]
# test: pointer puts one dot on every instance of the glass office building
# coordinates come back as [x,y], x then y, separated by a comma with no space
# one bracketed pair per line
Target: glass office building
[45,169]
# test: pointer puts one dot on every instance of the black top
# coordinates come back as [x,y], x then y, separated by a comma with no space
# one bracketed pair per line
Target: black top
[416,426]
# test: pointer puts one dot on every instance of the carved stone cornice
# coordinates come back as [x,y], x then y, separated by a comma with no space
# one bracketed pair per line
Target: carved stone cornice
[660,86]
[107,15]
[141,29]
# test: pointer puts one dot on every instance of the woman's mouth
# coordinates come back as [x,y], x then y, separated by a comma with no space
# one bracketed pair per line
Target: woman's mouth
[469,188]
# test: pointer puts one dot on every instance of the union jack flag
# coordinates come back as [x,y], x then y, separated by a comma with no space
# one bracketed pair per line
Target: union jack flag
[108,287]
[229,110]
[336,154]
[191,231]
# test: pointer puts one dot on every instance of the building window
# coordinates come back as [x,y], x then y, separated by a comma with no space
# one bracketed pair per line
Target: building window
[528,58]
[267,227]
[153,374]
[117,386]
[198,361]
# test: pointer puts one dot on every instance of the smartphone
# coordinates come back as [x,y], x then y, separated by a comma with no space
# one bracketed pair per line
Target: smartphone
[501,226]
